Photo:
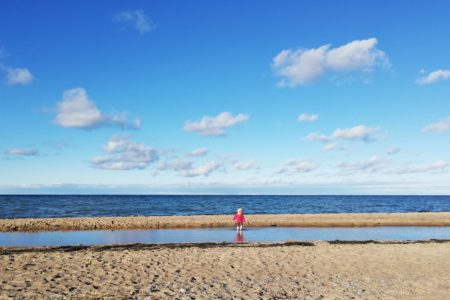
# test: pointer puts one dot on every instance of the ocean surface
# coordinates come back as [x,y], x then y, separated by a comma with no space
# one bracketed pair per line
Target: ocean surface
[41,206]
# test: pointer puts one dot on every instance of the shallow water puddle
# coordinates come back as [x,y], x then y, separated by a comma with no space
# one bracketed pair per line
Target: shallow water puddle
[59,238]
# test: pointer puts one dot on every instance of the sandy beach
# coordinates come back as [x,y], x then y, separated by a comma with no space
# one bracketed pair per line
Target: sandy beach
[318,270]
[295,220]
[290,270]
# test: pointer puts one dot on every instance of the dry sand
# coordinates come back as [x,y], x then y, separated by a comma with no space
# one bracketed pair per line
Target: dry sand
[295,270]
[318,270]
[298,220]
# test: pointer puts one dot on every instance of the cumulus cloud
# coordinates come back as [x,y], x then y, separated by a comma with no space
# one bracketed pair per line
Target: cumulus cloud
[373,164]
[356,133]
[297,166]
[22,152]
[441,126]
[246,165]
[433,77]
[304,117]
[214,126]
[305,66]
[203,170]
[137,19]
[299,67]
[77,110]
[360,132]
[198,152]
[16,76]
[358,55]
[435,167]
[123,154]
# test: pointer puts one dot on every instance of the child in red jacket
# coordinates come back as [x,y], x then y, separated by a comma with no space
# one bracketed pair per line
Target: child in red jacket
[239,219]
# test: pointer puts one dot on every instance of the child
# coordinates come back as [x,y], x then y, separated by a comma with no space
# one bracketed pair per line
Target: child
[239,219]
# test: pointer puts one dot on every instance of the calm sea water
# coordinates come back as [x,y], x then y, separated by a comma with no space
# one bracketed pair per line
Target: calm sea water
[38,206]
[99,237]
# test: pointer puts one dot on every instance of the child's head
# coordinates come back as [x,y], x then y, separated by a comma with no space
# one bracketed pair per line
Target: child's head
[239,211]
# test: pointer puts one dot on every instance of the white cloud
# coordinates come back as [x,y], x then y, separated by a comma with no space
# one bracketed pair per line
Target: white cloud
[329,147]
[186,168]
[15,76]
[393,151]
[123,154]
[18,76]
[137,19]
[360,132]
[76,110]
[246,165]
[433,77]
[299,67]
[304,117]
[215,126]
[198,152]
[204,170]
[435,167]
[22,152]
[441,126]
[377,164]
[358,55]
[356,133]
[372,164]
[176,164]
[318,137]
[297,166]
[305,66]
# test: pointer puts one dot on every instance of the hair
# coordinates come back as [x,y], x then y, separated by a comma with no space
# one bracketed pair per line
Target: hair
[239,209]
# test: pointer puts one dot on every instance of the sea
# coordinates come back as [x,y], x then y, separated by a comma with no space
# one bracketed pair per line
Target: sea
[50,206]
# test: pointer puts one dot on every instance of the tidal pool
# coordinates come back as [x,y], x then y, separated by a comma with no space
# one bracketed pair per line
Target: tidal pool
[272,234]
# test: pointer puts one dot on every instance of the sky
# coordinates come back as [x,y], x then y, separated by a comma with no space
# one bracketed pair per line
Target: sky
[225,97]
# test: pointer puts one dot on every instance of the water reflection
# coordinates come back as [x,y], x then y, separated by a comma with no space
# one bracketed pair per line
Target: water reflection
[239,238]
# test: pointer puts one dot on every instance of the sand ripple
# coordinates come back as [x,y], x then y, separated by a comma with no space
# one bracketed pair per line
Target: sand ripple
[245,271]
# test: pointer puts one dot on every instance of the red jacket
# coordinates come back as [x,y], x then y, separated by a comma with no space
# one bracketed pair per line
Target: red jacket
[239,218]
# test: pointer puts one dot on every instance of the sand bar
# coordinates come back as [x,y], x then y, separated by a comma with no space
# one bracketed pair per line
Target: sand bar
[318,270]
[294,220]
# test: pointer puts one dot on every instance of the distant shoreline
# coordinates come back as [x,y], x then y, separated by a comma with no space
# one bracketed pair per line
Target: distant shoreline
[215,221]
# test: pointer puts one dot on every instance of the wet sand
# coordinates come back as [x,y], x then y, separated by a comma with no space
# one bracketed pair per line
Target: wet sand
[318,270]
[295,220]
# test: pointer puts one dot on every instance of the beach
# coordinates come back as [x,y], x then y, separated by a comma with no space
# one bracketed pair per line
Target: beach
[224,150]
[214,221]
[317,270]
[268,270]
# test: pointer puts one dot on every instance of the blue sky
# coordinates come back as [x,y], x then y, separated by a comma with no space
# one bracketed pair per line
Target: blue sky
[298,97]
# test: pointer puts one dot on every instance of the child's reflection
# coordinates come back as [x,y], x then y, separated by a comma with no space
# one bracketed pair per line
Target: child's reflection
[239,237]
